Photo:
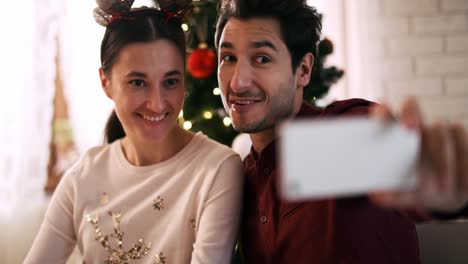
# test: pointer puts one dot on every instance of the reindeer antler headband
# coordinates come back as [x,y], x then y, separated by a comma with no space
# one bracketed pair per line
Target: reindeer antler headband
[109,11]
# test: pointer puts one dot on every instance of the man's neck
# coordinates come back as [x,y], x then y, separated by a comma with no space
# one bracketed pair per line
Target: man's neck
[262,139]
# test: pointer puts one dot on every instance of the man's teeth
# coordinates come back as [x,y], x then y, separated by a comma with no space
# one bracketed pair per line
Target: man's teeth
[154,118]
[244,102]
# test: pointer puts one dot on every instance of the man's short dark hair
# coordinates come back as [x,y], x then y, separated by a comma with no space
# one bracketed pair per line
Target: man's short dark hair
[301,24]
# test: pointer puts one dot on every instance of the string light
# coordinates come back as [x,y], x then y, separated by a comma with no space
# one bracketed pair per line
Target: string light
[216,91]
[227,121]
[185,27]
[181,114]
[187,125]
[208,115]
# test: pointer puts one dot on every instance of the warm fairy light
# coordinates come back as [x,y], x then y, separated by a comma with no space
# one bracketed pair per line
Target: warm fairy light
[227,121]
[187,125]
[181,114]
[185,27]
[208,115]
[216,91]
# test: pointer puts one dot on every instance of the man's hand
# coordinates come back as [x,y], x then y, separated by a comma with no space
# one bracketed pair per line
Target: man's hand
[443,166]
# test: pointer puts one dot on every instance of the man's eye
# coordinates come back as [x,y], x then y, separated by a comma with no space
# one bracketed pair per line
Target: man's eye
[137,83]
[228,58]
[170,82]
[262,59]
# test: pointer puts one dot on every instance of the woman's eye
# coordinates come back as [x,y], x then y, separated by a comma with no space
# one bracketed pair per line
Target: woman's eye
[262,59]
[137,83]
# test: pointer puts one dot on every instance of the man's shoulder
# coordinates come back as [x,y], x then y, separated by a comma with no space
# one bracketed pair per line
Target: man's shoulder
[349,107]
[355,106]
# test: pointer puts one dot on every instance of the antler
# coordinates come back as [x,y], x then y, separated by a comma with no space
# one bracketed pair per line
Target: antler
[109,10]
[168,4]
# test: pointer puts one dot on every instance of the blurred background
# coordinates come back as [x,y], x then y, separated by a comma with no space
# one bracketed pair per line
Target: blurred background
[52,107]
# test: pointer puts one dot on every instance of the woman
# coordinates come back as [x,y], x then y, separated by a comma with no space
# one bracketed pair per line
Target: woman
[157,193]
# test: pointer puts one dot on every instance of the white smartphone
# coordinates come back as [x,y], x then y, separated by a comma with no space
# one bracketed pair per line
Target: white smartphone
[321,158]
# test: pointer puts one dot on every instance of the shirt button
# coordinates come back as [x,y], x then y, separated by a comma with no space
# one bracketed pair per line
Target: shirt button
[263,219]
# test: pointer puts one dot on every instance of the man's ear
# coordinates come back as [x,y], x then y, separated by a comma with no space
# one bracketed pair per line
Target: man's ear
[304,70]
[105,83]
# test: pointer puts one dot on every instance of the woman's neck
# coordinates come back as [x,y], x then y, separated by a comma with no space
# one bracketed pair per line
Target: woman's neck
[149,153]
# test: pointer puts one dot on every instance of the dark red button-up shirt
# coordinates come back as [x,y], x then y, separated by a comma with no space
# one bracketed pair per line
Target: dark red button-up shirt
[349,230]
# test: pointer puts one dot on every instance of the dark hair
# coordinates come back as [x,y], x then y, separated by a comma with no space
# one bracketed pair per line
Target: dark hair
[139,25]
[301,25]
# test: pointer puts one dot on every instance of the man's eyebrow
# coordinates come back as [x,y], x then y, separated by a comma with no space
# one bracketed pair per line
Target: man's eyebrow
[263,43]
[136,74]
[254,44]
[226,45]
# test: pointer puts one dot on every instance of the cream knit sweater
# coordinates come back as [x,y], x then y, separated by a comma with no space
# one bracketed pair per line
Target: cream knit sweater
[183,210]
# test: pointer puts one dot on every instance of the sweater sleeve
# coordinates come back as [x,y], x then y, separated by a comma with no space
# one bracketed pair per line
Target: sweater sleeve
[56,238]
[219,221]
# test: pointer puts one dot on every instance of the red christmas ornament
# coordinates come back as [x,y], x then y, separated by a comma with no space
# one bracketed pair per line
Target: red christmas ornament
[201,63]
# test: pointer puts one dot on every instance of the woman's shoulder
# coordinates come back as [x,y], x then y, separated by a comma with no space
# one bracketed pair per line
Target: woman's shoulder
[94,156]
[98,153]
[210,147]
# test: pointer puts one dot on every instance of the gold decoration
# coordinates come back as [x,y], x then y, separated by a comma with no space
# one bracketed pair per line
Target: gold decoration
[118,255]
[104,198]
[158,204]
[160,259]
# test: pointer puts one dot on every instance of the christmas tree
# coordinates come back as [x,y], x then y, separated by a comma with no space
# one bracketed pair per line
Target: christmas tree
[203,110]
[323,77]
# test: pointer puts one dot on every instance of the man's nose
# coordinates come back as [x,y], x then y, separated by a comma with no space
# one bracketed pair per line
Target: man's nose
[242,79]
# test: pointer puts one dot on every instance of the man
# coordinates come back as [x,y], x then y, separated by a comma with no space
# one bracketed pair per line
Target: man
[266,52]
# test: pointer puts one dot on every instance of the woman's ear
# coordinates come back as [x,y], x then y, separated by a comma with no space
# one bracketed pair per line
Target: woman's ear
[304,70]
[105,83]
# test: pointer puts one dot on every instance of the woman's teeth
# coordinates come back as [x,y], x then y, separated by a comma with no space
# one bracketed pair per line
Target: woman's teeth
[154,118]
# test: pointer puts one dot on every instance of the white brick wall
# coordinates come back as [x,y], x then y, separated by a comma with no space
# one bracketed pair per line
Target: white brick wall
[457,43]
[456,86]
[415,47]
[454,5]
[442,65]
[440,24]
[413,7]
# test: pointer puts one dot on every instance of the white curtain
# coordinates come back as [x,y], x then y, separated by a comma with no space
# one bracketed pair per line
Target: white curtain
[347,24]
[334,29]
[88,106]
[27,69]
[27,73]
[33,32]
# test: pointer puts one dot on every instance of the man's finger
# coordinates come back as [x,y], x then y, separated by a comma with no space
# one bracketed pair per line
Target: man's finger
[460,138]
[411,115]
[438,156]
[381,112]
[395,199]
